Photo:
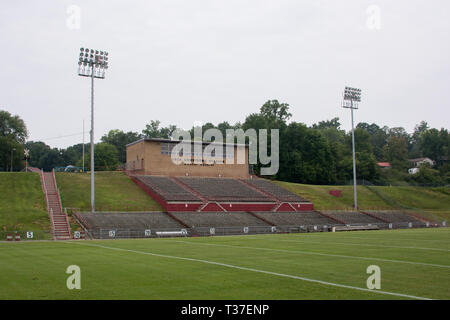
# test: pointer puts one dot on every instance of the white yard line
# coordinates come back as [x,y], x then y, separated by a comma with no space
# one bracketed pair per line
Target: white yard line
[346,243]
[256,270]
[317,253]
[401,239]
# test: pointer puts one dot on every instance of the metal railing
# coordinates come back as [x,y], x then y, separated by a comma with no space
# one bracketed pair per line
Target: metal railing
[49,210]
[60,202]
[126,233]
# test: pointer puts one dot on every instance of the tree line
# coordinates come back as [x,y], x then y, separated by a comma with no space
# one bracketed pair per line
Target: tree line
[317,154]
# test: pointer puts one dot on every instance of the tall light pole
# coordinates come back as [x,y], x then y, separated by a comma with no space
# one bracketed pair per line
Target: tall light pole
[83,145]
[92,63]
[352,97]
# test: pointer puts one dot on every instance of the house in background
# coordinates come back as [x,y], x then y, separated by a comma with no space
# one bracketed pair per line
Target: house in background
[420,161]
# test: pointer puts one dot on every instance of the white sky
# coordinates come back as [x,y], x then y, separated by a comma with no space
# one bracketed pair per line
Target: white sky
[203,60]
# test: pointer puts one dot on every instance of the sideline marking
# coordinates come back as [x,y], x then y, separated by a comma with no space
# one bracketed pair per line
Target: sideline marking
[350,244]
[315,253]
[400,239]
[256,270]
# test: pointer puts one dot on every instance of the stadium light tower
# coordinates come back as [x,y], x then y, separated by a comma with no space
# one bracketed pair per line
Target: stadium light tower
[92,63]
[352,97]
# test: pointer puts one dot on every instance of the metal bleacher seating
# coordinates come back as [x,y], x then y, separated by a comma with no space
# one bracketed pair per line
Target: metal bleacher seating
[275,190]
[224,189]
[167,188]
[352,217]
[295,218]
[396,217]
[218,219]
[129,220]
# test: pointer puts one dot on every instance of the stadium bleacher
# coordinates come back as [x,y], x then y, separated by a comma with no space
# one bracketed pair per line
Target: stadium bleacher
[167,188]
[352,217]
[140,220]
[275,191]
[224,189]
[295,218]
[127,225]
[134,225]
[395,217]
[219,219]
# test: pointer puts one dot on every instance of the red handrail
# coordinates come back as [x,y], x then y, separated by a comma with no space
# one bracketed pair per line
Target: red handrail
[46,201]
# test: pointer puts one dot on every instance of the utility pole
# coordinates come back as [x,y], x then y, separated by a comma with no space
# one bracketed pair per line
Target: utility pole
[83,145]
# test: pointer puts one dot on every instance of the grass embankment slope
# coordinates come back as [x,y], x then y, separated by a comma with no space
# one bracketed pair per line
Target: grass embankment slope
[432,203]
[22,204]
[114,191]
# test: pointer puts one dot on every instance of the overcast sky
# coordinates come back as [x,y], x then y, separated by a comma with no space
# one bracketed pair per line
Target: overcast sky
[203,60]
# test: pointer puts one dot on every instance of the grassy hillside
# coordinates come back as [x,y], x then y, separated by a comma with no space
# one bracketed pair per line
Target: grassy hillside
[431,202]
[22,204]
[114,191]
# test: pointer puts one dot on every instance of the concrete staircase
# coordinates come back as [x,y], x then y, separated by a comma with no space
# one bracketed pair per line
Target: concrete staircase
[59,220]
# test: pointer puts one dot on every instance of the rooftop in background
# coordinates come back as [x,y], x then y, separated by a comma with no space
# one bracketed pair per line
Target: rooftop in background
[384,164]
[187,141]
[419,159]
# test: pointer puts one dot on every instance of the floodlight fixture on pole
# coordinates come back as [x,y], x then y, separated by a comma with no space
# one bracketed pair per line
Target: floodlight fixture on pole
[352,97]
[92,63]
[83,146]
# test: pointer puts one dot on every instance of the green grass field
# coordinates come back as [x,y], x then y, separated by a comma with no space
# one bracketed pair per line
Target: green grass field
[114,191]
[414,263]
[22,204]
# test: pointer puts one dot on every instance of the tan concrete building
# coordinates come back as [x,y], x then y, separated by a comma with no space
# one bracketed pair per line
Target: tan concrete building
[152,156]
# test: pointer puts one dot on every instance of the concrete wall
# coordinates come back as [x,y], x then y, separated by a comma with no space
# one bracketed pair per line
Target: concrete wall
[145,157]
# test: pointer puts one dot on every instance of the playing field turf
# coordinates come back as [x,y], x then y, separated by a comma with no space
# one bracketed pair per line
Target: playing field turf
[414,263]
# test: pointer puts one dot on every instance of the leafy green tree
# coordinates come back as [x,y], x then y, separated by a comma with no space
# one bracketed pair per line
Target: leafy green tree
[37,150]
[120,139]
[152,130]
[272,115]
[272,109]
[436,144]
[366,164]
[378,138]
[13,133]
[415,147]
[396,152]
[305,156]
[105,157]
[336,139]
[328,124]
[427,177]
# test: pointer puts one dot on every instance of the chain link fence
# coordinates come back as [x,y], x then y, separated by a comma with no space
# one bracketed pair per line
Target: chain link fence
[120,233]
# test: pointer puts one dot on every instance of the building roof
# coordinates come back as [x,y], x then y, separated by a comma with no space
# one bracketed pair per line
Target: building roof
[177,141]
[384,164]
[419,159]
